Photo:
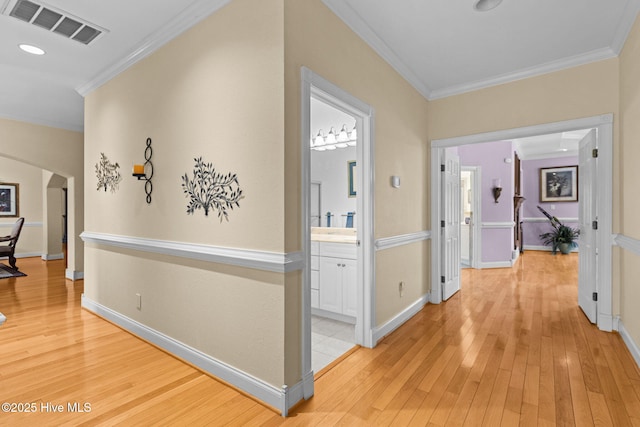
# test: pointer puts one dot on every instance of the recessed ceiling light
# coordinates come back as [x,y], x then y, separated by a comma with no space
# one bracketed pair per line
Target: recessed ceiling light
[31,49]
[485,5]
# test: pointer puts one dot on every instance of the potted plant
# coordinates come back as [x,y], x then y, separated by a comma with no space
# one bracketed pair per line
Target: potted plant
[562,237]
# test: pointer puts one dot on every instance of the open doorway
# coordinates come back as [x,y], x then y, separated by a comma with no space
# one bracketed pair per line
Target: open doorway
[360,183]
[333,233]
[598,193]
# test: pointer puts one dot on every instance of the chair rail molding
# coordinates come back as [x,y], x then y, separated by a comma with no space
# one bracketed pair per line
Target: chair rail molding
[402,239]
[260,260]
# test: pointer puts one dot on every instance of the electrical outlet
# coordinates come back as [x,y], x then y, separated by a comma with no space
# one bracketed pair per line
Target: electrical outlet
[401,288]
[139,301]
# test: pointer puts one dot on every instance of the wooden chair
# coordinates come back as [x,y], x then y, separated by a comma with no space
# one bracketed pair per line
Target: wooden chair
[10,249]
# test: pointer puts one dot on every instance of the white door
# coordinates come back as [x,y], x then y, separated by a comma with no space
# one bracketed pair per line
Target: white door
[587,186]
[451,231]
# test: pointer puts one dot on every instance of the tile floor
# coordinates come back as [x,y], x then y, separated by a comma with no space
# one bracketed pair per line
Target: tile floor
[330,339]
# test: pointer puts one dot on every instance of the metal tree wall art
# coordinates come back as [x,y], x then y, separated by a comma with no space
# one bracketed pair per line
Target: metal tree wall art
[107,173]
[211,190]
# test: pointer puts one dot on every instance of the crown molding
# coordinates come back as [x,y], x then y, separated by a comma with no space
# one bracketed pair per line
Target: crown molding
[349,16]
[185,20]
[58,124]
[626,24]
[549,67]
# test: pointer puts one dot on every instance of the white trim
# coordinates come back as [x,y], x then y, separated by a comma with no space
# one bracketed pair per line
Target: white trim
[497,225]
[58,124]
[399,319]
[628,340]
[260,260]
[523,132]
[402,239]
[283,399]
[540,219]
[52,257]
[496,264]
[314,85]
[346,13]
[186,19]
[624,27]
[544,248]
[604,124]
[26,255]
[26,224]
[628,243]
[73,275]
[537,70]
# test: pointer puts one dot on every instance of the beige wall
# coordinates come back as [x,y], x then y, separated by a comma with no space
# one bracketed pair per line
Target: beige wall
[317,39]
[216,91]
[629,174]
[59,151]
[29,180]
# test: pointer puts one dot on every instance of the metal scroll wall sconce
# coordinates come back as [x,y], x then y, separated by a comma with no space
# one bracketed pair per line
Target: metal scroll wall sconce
[145,171]
[497,189]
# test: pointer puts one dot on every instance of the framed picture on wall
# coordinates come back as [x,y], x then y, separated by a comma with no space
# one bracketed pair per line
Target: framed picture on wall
[351,173]
[9,200]
[559,184]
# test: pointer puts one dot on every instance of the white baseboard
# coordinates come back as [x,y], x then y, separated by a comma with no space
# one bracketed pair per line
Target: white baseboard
[543,248]
[631,345]
[27,254]
[51,257]
[399,319]
[283,398]
[496,264]
[74,275]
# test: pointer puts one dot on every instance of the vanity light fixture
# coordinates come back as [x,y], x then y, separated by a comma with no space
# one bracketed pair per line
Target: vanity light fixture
[331,141]
[497,189]
[34,50]
[486,5]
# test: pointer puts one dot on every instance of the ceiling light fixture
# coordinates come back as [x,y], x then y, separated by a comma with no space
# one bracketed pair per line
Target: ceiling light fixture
[485,5]
[34,50]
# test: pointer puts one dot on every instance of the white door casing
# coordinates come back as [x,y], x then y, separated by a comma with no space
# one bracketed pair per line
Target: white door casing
[451,230]
[320,88]
[604,202]
[587,195]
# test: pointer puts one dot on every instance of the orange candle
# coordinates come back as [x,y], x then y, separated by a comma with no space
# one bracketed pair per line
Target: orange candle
[138,169]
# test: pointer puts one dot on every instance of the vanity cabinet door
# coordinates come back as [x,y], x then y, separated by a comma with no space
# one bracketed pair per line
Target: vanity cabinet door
[331,284]
[349,288]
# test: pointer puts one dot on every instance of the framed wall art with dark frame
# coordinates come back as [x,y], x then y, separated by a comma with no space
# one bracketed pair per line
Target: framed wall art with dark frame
[9,200]
[559,184]
[351,172]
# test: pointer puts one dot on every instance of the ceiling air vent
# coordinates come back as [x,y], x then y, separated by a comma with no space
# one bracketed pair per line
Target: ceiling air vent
[54,20]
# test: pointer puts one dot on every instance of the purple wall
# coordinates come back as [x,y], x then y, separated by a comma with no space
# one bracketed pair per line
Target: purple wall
[532,228]
[497,243]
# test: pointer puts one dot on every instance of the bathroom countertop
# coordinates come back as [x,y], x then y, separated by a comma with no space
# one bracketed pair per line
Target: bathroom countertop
[333,235]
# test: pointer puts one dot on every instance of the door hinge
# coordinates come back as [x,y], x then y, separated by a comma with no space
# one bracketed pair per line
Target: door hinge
[441,279]
[442,224]
[441,168]
[594,225]
[594,153]
[594,296]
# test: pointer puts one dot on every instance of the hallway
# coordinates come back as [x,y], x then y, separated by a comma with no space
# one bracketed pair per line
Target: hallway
[511,348]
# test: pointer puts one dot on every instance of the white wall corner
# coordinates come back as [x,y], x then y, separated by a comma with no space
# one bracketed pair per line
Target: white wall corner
[281,398]
[74,275]
[397,321]
[631,344]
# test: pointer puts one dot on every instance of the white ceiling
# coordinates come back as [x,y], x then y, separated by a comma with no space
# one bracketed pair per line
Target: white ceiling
[440,47]
[447,47]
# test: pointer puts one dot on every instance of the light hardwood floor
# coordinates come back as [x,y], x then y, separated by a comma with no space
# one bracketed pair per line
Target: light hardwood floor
[512,348]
